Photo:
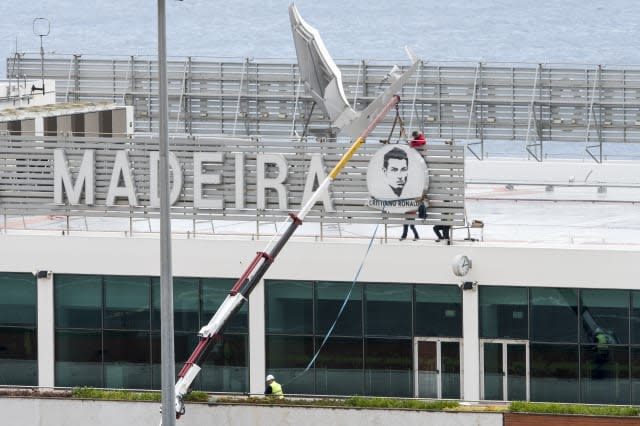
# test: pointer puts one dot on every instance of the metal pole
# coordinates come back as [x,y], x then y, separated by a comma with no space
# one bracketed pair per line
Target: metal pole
[166,279]
[42,64]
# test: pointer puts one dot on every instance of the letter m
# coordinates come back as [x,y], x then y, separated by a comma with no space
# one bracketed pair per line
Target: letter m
[62,178]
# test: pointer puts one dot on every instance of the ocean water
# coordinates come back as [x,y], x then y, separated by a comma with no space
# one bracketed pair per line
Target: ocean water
[548,31]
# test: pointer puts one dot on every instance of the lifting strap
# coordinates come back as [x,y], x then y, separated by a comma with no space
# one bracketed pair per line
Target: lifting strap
[344,304]
[402,133]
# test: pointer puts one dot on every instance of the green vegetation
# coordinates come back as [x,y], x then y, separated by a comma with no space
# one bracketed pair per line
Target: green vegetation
[119,395]
[124,395]
[197,396]
[364,402]
[593,410]
[412,404]
[352,402]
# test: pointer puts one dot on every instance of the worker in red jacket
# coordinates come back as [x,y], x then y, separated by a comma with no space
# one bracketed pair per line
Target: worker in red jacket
[418,140]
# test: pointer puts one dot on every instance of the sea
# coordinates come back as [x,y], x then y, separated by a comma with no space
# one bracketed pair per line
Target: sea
[541,31]
[581,32]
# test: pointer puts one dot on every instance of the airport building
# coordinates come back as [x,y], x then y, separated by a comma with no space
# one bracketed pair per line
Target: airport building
[513,306]
[523,330]
[480,319]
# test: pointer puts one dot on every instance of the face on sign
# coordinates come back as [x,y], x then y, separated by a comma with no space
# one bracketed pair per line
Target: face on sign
[396,178]
[396,170]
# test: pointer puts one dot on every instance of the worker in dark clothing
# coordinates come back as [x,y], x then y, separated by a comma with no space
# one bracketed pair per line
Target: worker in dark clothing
[417,143]
[442,232]
[274,389]
[405,231]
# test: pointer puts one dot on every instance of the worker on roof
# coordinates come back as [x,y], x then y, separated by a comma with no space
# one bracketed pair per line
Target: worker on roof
[418,140]
[274,389]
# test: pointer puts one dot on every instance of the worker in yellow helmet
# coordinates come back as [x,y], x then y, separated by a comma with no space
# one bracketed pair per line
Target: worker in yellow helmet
[274,389]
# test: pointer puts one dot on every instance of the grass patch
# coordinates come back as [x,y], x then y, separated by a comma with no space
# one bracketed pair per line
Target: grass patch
[352,402]
[274,401]
[481,408]
[124,395]
[412,404]
[118,395]
[593,410]
[196,396]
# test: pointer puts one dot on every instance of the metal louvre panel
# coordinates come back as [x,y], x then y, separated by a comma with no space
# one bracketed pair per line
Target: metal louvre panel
[27,178]
[244,98]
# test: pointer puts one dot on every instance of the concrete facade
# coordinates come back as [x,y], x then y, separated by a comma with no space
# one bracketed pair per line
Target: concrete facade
[308,259]
[61,412]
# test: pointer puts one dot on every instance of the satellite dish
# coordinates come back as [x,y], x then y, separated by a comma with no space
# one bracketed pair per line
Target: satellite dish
[461,265]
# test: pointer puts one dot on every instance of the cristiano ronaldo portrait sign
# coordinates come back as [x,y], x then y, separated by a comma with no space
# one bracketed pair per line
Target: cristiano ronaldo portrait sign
[396,179]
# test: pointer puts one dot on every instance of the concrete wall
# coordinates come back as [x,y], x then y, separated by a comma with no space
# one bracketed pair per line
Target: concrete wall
[307,259]
[65,412]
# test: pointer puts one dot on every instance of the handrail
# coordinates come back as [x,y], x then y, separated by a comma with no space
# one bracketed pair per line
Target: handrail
[510,111]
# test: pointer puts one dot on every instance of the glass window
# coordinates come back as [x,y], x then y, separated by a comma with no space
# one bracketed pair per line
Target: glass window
[120,351]
[438,310]
[388,367]
[503,312]
[78,358]
[18,301]
[493,371]
[635,375]
[18,356]
[183,344]
[78,301]
[516,372]
[127,359]
[287,358]
[225,368]
[339,366]
[554,373]
[330,297]
[185,304]
[607,310]
[289,307]
[427,355]
[554,315]
[388,309]
[214,292]
[450,370]
[605,374]
[635,317]
[126,304]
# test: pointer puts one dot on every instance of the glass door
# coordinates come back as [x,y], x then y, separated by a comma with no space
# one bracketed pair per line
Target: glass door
[505,370]
[437,364]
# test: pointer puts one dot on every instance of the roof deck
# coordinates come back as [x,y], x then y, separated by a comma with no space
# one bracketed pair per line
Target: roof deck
[522,215]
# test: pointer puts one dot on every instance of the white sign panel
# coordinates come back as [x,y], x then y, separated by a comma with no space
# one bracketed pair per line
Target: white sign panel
[234,179]
[396,179]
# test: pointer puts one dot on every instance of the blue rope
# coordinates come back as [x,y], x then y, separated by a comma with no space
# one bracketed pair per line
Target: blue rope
[344,304]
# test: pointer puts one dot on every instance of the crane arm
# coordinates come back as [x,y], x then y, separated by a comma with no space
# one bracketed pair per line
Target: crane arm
[256,270]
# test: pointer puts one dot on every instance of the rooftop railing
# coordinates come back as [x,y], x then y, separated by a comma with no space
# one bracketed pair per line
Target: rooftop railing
[593,105]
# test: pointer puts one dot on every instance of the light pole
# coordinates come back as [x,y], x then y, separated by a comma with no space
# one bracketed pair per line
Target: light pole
[166,279]
[41,28]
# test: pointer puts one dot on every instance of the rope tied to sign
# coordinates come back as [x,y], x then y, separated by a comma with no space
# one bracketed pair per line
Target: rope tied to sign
[344,304]
[402,134]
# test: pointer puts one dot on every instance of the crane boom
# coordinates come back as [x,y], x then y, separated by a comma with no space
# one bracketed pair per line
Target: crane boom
[252,276]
